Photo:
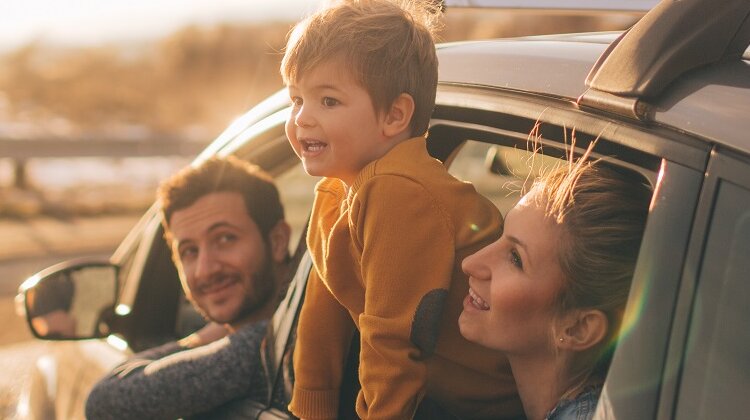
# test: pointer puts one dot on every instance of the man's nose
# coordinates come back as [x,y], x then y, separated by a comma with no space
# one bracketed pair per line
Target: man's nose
[206,264]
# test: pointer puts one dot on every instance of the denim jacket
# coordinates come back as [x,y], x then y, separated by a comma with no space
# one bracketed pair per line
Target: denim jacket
[580,408]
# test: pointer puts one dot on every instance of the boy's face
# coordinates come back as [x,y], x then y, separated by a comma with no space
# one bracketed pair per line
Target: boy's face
[333,127]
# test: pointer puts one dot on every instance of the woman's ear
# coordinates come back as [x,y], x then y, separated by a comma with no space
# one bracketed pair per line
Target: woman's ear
[278,239]
[398,118]
[582,329]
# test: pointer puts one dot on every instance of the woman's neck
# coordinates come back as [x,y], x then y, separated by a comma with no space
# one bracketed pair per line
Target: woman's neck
[541,383]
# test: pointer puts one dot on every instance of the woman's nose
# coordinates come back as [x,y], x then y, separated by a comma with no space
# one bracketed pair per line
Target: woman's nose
[476,264]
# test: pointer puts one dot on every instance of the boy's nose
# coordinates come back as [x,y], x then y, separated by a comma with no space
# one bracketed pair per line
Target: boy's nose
[303,118]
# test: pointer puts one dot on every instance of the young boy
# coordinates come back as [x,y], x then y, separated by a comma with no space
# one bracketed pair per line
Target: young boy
[389,226]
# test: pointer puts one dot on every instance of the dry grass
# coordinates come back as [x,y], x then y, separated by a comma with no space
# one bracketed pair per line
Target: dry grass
[199,78]
[191,83]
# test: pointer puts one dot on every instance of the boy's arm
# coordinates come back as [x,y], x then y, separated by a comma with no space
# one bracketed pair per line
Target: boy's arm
[324,334]
[408,254]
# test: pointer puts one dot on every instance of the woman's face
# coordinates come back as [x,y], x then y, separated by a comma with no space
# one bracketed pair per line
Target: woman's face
[513,284]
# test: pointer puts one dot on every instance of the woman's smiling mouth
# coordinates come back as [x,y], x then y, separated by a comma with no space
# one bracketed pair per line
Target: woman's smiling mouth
[476,301]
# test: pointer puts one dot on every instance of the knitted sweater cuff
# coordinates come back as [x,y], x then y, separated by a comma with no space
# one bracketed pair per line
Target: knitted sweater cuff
[320,404]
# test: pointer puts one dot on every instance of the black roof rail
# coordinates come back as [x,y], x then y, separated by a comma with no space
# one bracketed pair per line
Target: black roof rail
[674,37]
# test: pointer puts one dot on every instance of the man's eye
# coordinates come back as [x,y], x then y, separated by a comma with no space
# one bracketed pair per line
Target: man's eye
[187,253]
[226,238]
[515,259]
[328,101]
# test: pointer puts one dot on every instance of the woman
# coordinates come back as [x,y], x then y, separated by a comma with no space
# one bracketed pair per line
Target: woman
[551,291]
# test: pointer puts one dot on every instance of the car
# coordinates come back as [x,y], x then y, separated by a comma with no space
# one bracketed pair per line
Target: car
[668,99]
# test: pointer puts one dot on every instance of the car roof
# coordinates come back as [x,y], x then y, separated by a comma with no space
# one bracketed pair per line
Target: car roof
[709,102]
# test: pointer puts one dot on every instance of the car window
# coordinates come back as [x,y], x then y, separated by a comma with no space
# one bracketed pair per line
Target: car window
[296,188]
[500,173]
[716,376]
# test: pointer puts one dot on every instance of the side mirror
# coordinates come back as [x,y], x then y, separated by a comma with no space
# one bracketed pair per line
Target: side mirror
[70,300]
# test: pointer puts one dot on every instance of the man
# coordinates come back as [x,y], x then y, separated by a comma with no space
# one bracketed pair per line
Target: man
[225,225]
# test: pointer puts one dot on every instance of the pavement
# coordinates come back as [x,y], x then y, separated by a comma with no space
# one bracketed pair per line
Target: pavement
[46,236]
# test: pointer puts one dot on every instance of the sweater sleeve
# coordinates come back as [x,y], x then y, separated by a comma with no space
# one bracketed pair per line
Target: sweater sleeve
[408,254]
[325,327]
[171,382]
[320,353]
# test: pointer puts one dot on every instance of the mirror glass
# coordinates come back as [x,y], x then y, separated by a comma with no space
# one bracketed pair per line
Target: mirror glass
[73,303]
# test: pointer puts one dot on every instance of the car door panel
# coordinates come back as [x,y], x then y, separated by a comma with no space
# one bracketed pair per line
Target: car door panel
[709,339]
[633,382]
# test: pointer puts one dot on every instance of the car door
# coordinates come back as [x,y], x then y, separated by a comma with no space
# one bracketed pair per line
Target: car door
[710,341]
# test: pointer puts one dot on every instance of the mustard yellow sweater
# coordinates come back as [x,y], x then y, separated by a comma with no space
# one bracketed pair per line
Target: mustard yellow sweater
[387,260]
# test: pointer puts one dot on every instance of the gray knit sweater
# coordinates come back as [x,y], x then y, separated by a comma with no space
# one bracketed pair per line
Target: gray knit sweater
[170,382]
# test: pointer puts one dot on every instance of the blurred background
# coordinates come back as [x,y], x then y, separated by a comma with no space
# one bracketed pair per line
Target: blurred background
[169,72]
[100,100]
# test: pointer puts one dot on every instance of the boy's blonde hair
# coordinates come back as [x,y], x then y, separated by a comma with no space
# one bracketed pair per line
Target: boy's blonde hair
[387,45]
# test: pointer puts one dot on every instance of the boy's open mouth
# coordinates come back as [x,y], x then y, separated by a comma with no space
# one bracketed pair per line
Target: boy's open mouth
[312,146]
[477,302]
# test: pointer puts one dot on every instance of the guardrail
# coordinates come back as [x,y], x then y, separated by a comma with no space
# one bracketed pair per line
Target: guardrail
[23,150]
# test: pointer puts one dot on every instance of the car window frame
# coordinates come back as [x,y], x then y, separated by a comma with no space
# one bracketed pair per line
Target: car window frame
[679,160]
[724,165]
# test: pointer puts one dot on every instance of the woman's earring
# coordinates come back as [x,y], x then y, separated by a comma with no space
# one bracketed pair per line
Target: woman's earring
[561,339]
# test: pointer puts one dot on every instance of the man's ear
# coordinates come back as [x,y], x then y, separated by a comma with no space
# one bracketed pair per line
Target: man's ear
[582,329]
[398,117]
[278,239]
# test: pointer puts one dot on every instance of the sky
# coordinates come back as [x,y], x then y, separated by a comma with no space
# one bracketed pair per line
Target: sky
[92,22]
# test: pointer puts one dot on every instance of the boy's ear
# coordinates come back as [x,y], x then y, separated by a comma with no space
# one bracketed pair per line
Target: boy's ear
[398,117]
[582,329]
[278,239]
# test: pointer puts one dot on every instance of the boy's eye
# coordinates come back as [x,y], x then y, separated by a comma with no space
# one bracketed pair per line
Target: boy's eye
[296,101]
[328,101]
[515,259]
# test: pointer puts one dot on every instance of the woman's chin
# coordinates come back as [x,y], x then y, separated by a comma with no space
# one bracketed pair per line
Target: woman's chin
[466,326]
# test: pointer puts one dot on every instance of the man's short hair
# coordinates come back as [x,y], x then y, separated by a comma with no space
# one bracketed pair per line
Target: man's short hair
[227,174]
[387,45]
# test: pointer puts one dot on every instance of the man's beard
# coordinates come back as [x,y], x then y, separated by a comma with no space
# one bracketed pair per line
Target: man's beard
[261,289]
[262,286]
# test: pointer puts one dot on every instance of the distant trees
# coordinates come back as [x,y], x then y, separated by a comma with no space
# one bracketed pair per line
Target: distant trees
[198,79]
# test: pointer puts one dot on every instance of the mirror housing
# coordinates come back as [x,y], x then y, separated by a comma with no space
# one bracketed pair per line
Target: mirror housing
[74,300]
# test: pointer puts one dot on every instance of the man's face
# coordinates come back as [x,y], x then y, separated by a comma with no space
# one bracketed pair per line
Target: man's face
[224,263]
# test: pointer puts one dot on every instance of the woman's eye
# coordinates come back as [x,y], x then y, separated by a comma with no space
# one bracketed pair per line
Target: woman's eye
[515,259]
[328,101]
